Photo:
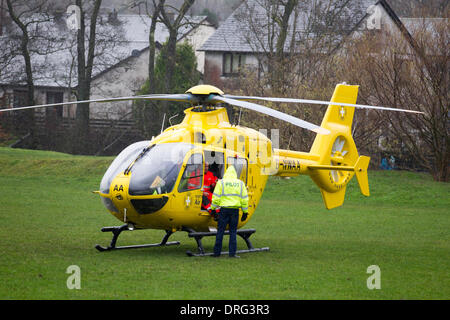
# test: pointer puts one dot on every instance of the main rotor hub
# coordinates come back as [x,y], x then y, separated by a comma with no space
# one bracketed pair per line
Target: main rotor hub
[202,94]
[205,90]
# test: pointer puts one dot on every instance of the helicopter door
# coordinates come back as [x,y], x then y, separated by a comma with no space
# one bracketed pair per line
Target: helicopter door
[214,169]
[241,166]
[190,186]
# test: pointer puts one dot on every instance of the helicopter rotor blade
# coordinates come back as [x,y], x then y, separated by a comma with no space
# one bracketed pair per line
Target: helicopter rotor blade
[273,113]
[319,102]
[167,97]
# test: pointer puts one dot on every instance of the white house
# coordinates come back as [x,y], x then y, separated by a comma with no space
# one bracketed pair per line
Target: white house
[120,70]
[127,76]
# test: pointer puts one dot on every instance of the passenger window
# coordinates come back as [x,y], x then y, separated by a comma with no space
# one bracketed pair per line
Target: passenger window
[192,177]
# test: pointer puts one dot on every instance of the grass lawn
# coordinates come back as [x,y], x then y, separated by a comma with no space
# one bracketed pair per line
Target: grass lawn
[50,220]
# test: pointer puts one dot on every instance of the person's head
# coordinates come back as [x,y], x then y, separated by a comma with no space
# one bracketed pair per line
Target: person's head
[214,168]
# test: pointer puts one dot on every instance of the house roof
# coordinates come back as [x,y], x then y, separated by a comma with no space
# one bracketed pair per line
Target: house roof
[242,31]
[407,26]
[57,69]
[137,29]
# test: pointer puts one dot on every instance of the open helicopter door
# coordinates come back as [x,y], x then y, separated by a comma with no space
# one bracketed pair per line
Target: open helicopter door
[189,190]
[215,161]
[214,170]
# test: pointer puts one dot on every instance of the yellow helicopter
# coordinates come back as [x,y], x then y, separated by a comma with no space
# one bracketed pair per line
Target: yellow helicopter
[158,184]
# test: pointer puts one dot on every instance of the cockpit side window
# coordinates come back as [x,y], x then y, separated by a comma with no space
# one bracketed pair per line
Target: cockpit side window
[156,171]
[192,177]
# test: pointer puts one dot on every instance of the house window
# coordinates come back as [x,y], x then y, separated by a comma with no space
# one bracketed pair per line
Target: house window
[3,101]
[232,63]
[54,97]
[20,98]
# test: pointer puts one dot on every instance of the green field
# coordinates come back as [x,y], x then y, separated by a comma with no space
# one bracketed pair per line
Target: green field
[51,220]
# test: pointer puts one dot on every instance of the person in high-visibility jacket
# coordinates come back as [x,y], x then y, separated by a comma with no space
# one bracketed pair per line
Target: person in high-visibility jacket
[230,194]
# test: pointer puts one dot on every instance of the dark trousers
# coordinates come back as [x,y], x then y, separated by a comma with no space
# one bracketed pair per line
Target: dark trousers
[227,216]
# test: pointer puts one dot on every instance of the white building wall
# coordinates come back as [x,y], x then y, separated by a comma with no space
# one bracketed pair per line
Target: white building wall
[197,38]
[127,78]
[123,80]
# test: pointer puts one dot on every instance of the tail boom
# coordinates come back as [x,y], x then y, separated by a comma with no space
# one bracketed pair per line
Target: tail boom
[333,192]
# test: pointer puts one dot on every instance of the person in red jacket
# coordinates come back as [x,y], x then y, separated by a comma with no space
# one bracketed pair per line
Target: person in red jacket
[194,181]
[209,183]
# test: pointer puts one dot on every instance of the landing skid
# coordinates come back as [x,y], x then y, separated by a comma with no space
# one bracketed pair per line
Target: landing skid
[244,234]
[116,231]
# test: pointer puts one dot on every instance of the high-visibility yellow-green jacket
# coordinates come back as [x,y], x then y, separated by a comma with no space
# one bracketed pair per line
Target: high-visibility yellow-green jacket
[230,192]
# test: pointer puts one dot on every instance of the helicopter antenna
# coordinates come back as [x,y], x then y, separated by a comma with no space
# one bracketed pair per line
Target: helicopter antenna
[162,126]
[289,143]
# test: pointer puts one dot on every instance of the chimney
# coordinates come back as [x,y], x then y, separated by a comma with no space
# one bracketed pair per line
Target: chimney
[112,17]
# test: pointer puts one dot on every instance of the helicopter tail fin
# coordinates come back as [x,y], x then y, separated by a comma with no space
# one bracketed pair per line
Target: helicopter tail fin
[340,118]
[361,174]
[338,157]
[335,198]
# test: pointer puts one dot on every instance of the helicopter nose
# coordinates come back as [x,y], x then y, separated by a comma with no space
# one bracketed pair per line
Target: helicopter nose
[119,192]
[116,200]
[119,198]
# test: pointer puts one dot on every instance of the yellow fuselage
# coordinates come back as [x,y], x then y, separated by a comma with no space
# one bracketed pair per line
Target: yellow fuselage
[331,162]
[207,131]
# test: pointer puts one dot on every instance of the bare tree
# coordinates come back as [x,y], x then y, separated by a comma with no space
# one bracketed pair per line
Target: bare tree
[24,48]
[293,39]
[173,19]
[143,110]
[154,14]
[415,8]
[394,72]
[23,44]
[152,45]
[85,66]
[267,26]
[295,42]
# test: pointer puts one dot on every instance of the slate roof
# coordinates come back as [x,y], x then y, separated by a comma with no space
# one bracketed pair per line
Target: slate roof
[236,34]
[57,69]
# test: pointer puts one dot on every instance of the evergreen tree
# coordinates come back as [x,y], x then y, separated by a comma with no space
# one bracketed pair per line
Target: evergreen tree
[150,114]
